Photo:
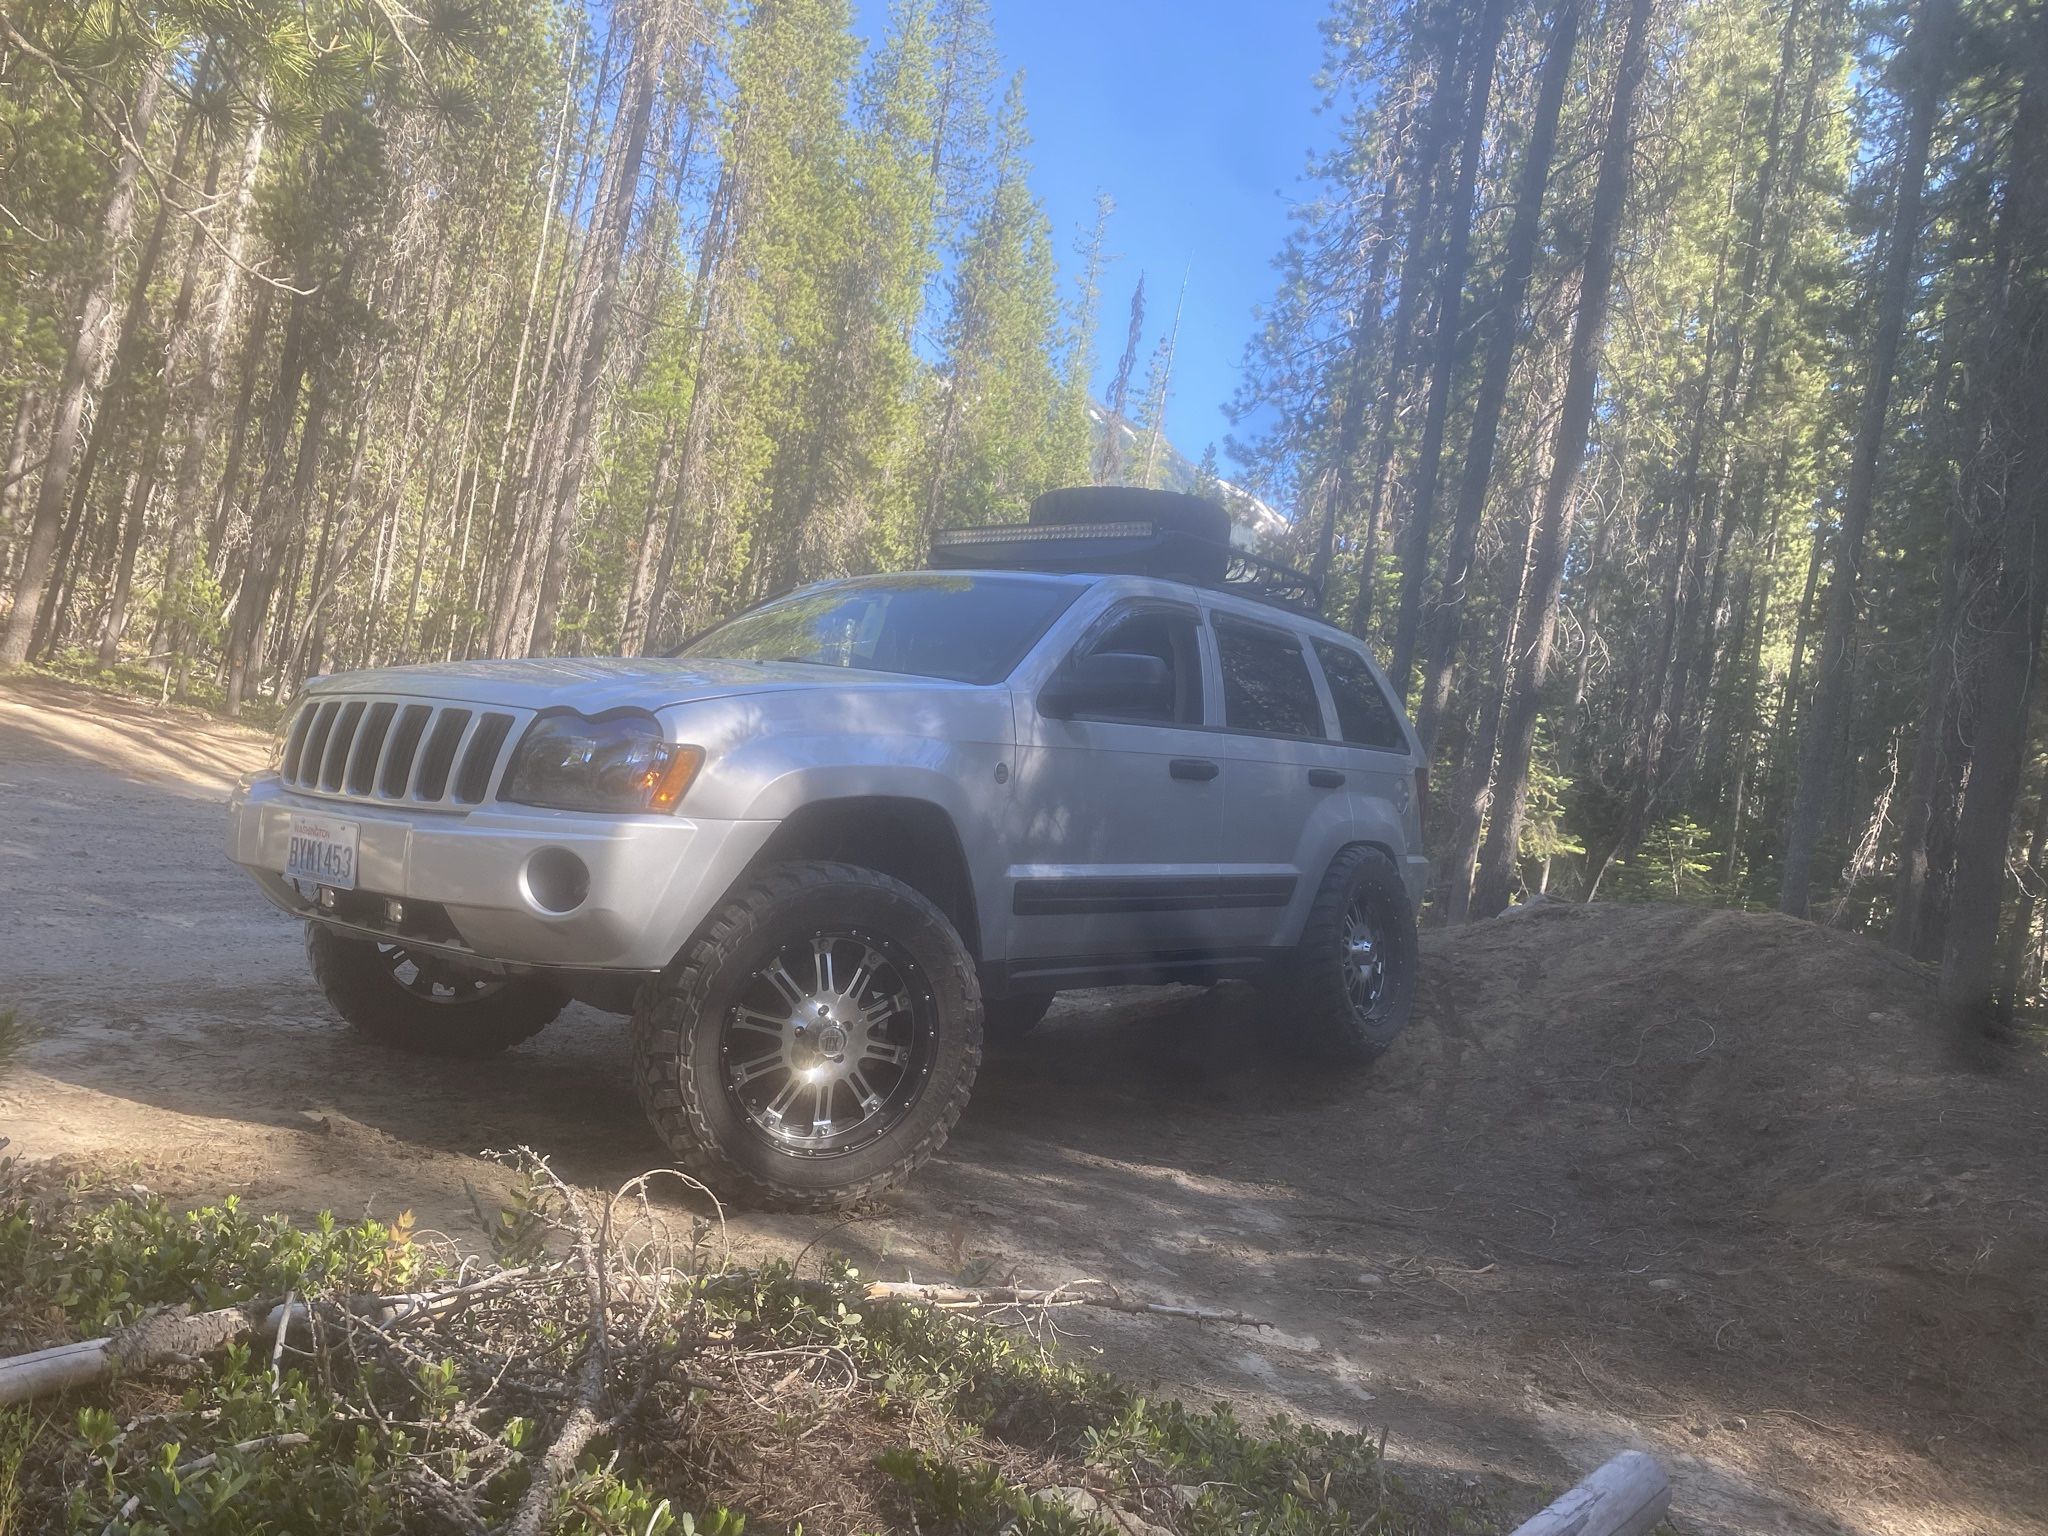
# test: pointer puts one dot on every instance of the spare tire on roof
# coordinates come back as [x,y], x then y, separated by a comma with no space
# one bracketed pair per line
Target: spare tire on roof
[1173,511]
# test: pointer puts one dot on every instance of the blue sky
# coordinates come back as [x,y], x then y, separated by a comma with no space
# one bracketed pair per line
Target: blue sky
[1197,118]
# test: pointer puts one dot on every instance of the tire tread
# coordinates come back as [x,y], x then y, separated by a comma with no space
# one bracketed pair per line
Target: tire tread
[1313,991]
[365,996]
[669,1008]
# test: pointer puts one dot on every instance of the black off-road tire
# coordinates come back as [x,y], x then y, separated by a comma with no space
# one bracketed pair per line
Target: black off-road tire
[1007,1020]
[681,1017]
[1310,996]
[356,975]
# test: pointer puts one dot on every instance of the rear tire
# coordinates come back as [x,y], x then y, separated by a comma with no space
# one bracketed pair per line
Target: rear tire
[424,1003]
[813,1044]
[1350,988]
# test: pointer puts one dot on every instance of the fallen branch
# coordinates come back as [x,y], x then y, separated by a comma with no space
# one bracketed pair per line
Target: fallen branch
[242,1448]
[584,1422]
[1079,1293]
[171,1337]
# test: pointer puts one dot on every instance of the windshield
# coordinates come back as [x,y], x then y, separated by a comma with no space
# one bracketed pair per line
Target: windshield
[968,629]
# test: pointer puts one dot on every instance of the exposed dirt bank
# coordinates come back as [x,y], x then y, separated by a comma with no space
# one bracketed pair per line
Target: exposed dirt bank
[1707,1182]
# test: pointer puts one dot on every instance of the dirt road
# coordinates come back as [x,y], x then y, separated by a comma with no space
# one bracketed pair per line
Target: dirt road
[1514,1264]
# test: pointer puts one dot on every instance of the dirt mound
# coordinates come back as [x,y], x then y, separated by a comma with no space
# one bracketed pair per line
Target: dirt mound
[1774,1114]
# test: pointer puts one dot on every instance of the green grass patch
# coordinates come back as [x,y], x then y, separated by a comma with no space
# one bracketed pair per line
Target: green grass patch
[740,1399]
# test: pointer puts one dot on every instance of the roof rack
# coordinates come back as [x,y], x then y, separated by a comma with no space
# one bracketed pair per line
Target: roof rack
[1268,581]
[1129,531]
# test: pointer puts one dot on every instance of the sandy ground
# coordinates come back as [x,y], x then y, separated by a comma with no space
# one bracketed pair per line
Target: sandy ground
[1507,1272]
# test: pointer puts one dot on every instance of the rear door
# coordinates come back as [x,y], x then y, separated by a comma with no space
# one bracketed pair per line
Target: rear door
[1378,765]
[1284,780]
[1117,817]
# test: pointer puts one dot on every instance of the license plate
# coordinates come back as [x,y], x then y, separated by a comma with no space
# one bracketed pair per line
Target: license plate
[322,851]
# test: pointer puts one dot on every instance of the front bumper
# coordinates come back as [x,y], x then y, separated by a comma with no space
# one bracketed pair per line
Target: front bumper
[653,879]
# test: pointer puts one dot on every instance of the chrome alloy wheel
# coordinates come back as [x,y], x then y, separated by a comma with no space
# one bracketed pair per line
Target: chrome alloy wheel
[434,979]
[829,1043]
[1365,966]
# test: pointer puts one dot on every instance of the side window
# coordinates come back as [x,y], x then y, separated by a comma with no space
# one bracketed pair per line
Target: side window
[1170,634]
[1266,684]
[1364,716]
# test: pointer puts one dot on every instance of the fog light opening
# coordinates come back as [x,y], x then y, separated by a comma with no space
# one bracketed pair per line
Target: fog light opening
[556,880]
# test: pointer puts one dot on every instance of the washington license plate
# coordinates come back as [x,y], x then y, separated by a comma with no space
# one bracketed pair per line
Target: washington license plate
[322,851]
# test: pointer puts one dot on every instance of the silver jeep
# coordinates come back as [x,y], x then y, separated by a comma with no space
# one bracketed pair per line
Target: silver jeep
[825,847]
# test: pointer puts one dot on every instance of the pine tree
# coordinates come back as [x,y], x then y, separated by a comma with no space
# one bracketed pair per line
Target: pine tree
[1523,688]
[1158,387]
[1110,455]
[1925,61]
[90,353]
[996,443]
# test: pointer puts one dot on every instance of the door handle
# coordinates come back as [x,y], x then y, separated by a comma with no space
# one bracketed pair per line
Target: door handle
[1326,778]
[1198,769]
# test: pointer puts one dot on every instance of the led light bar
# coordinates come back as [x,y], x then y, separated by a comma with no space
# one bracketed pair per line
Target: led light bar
[1040,533]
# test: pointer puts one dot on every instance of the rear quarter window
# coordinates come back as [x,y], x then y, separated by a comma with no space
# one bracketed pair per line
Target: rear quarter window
[1366,717]
[1266,684]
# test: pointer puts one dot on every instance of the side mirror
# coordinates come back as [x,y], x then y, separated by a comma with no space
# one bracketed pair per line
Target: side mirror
[1120,684]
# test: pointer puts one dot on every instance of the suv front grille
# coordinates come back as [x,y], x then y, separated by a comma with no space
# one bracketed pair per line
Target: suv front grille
[398,751]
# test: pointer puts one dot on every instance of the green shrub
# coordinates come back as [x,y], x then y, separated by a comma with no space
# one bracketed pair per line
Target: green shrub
[359,1440]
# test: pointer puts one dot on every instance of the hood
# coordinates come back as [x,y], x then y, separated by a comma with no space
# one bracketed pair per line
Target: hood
[594,684]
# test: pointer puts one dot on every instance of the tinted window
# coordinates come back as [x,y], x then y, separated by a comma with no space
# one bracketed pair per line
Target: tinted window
[1364,717]
[1171,635]
[971,629]
[1266,686]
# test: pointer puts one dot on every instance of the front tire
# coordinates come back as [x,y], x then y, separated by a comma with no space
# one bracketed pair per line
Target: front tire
[1350,988]
[813,1044]
[424,1003]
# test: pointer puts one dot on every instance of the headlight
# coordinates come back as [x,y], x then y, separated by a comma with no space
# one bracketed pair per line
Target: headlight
[619,763]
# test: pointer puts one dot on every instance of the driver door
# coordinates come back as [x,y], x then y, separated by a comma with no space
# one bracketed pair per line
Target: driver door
[1117,816]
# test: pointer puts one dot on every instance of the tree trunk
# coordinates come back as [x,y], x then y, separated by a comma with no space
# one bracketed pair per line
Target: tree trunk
[1446,620]
[202,393]
[1449,345]
[111,410]
[16,470]
[2004,611]
[1553,521]
[627,149]
[2019,938]
[272,526]
[1925,67]
[85,368]
[1428,167]
[709,303]
[649,557]
[1700,597]
[1937,720]
[279,523]
[563,127]
[1472,795]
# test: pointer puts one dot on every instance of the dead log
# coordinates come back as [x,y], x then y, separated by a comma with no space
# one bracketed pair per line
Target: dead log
[169,1337]
[154,1340]
[1626,1497]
